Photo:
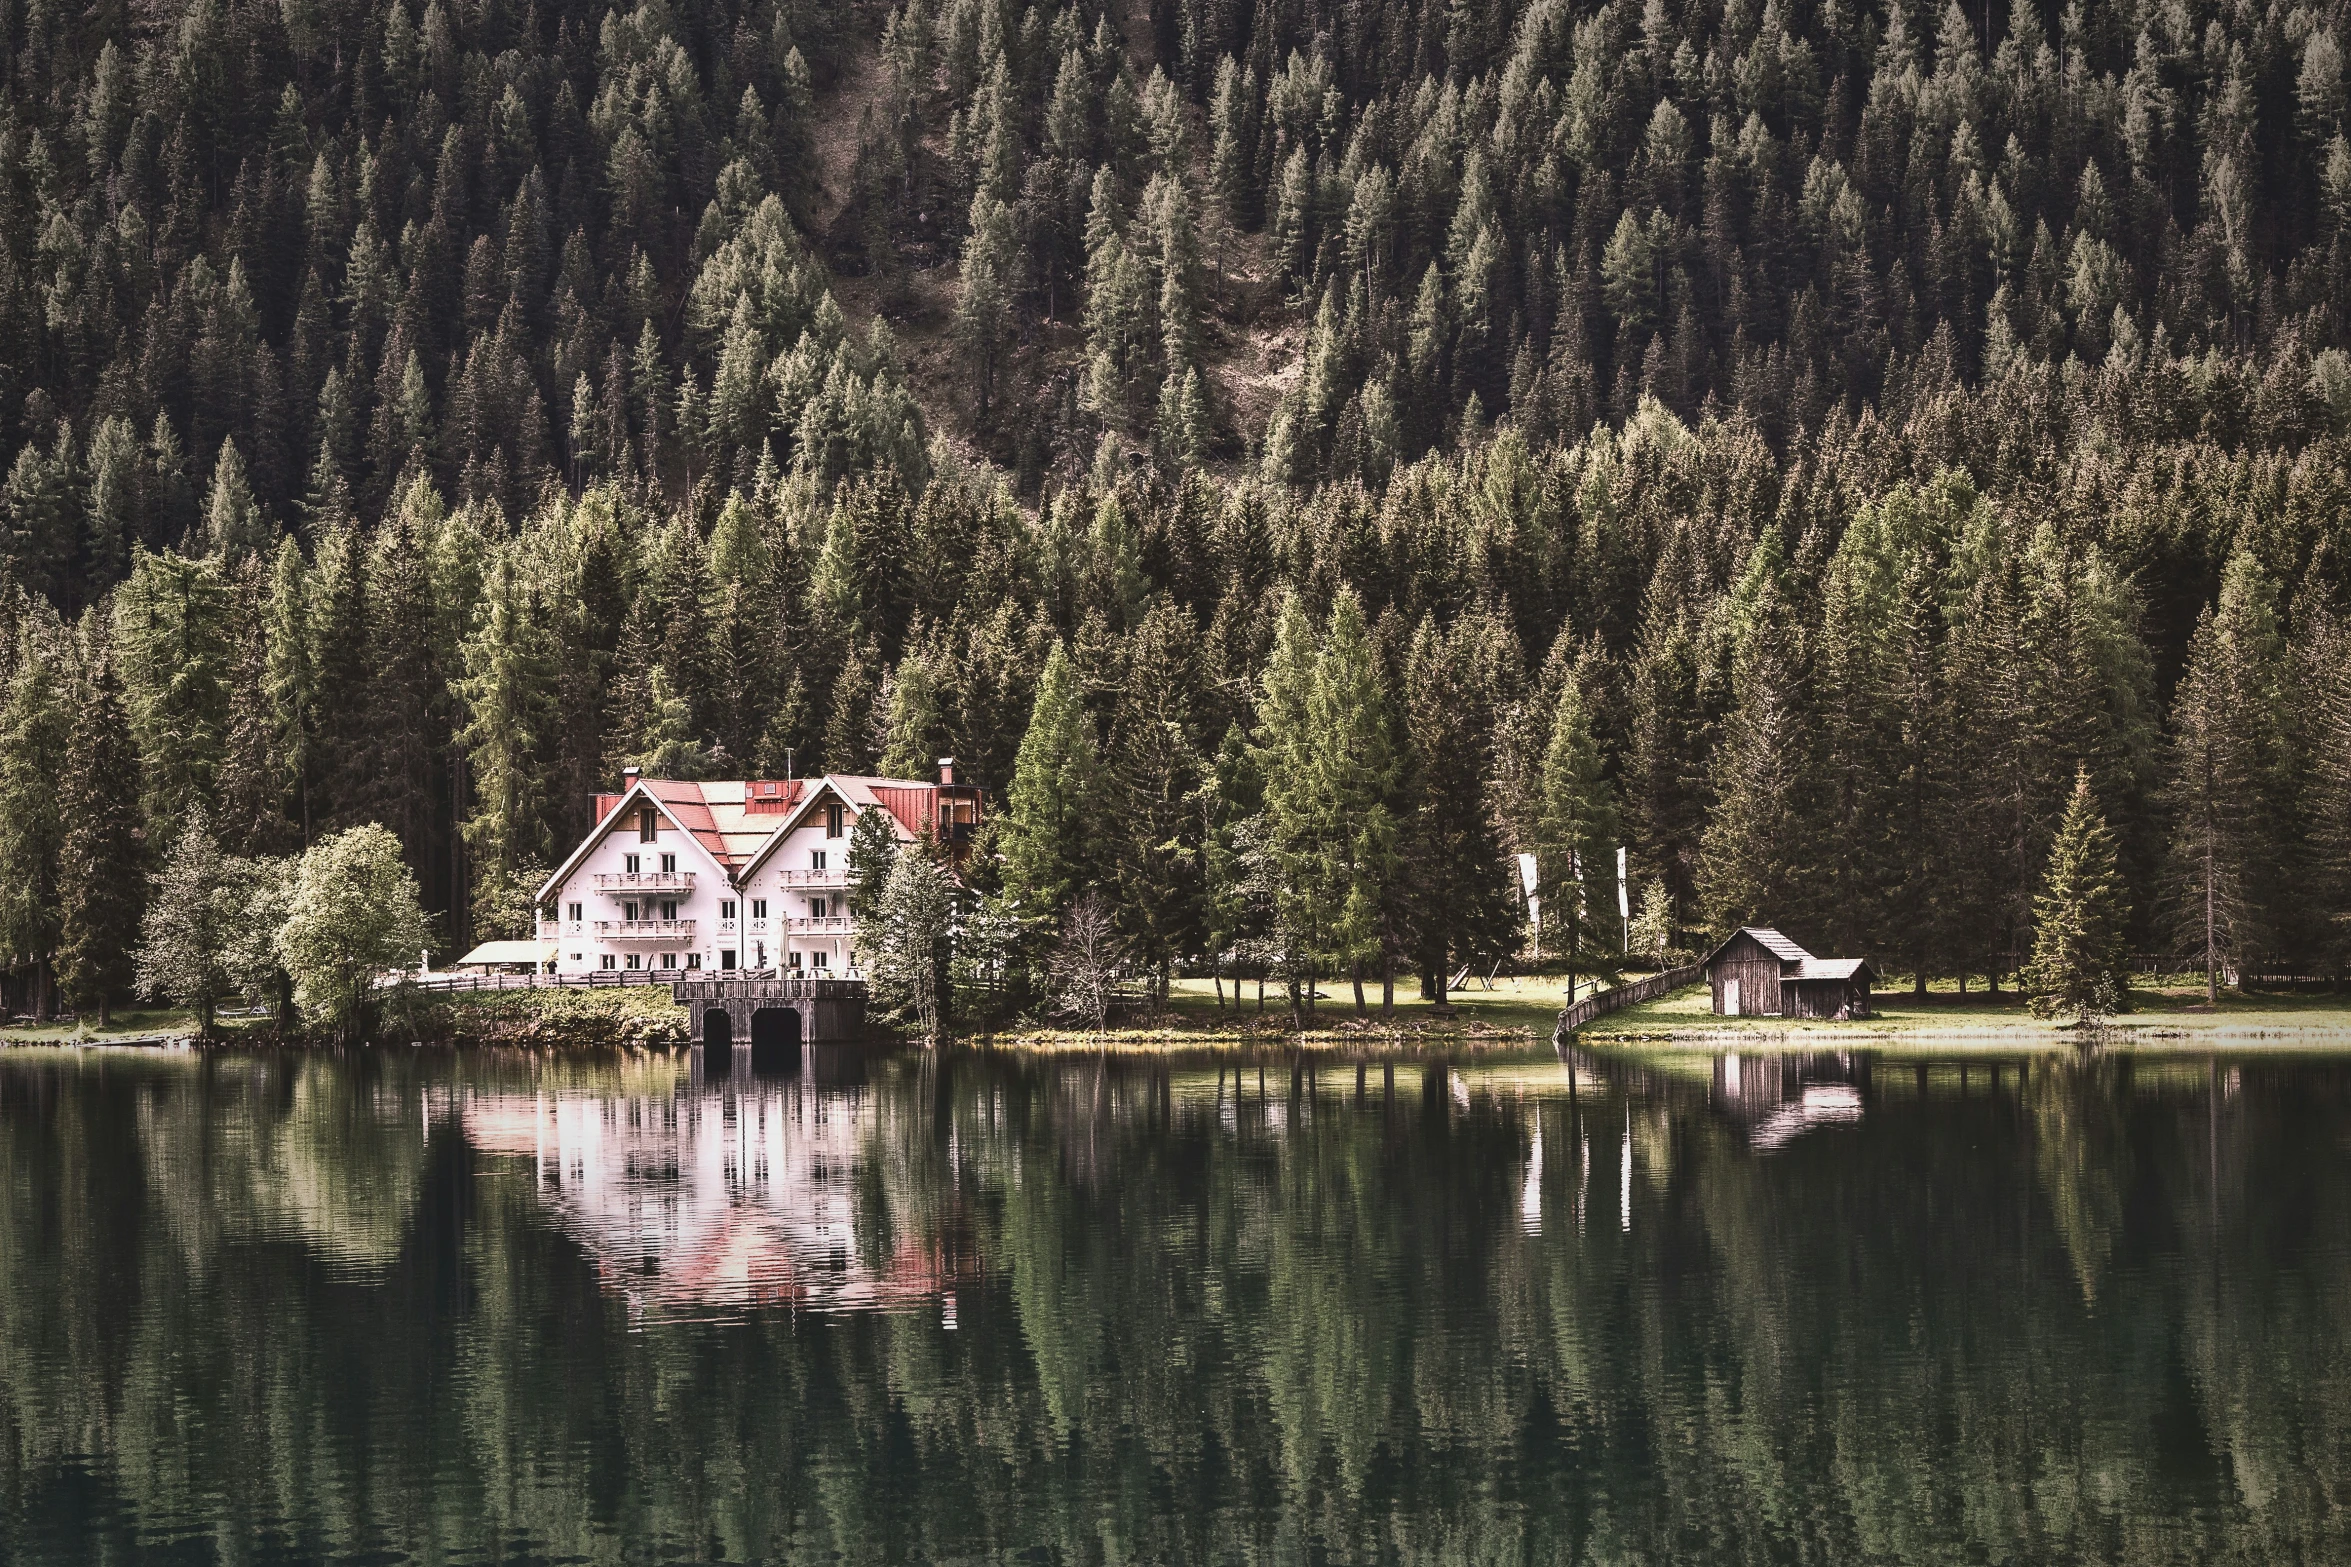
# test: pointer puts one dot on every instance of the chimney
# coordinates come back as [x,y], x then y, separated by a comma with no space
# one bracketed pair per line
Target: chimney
[946,769]
[628,778]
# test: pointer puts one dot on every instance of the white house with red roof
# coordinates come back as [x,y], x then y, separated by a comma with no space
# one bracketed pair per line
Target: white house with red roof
[746,875]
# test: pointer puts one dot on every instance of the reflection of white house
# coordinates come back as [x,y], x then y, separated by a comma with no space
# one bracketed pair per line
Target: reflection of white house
[742,1197]
[751,874]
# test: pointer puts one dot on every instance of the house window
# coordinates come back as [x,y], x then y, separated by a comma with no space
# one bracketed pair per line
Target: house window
[669,862]
[791,960]
[726,958]
[759,954]
[575,914]
[636,960]
[832,820]
[726,911]
[693,960]
[628,911]
[629,864]
[819,960]
[669,960]
[816,859]
[609,961]
[669,908]
[816,908]
[648,824]
[759,908]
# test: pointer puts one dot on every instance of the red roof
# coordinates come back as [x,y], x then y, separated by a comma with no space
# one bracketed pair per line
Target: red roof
[910,803]
[772,796]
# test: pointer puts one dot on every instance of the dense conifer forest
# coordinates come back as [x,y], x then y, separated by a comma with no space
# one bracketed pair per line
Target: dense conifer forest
[1294,455]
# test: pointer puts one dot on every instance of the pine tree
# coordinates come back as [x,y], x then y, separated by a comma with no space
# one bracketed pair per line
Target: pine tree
[1052,812]
[233,523]
[1576,831]
[983,310]
[873,850]
[36,727]
[508,697]
[2079,964]
[101,884]
[1754,855]
[1154,773]
[905,951]
[2227,751]
[171,630]
[1452,853]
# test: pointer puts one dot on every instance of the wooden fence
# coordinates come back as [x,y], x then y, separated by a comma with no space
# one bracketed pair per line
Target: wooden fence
[1632,995]
[597,979]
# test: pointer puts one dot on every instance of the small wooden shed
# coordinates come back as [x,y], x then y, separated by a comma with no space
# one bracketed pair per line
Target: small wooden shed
[1757,972]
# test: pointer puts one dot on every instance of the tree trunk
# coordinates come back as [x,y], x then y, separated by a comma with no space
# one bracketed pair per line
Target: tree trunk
[1355,973]
[1387,987]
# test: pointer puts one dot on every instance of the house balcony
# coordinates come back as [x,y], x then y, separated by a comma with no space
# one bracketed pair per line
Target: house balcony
[838,877]
[677,883]
[644,930]
[829,925]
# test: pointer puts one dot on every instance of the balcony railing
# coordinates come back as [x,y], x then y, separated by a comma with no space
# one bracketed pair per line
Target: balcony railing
[646,881]
[810,925]
[645,930]
[825,878]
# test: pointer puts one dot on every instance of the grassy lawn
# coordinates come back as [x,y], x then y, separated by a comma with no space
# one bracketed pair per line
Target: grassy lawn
[135,1025]
[2164,1010]
[1514,1012]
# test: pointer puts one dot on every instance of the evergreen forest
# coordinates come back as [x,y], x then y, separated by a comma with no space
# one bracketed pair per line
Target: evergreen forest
[1296,455]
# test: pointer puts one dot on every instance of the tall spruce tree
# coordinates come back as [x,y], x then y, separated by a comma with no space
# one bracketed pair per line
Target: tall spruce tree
[1452,857]
[36,730]
[101,882]
[1577,833]
[1052,812]
[2223,778]
[2079,964]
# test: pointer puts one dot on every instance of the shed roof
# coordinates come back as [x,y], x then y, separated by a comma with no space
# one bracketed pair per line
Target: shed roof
[1835,968]
[508,952]
[1770,940]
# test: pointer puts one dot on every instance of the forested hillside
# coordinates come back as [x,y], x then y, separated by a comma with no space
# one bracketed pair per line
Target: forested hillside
[1291,454]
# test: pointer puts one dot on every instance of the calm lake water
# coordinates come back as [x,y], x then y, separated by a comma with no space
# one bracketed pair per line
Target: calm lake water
[485,1306]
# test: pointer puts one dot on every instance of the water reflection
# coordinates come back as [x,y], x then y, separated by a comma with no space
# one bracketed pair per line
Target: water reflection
[1782,1308]
[714,1195]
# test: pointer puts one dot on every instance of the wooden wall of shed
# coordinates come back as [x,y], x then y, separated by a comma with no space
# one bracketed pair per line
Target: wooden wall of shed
[1758,974]
[1826,998]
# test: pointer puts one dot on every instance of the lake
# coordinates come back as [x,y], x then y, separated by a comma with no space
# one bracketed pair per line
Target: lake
[492,1306]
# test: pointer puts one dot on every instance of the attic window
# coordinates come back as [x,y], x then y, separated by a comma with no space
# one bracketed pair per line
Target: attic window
[832,820]
[648,824]
[767,788]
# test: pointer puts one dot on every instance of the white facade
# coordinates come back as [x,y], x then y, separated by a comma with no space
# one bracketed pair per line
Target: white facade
[748,875]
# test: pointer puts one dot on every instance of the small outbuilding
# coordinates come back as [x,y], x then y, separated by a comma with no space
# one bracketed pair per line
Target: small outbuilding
[1757,972]
[509,957]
